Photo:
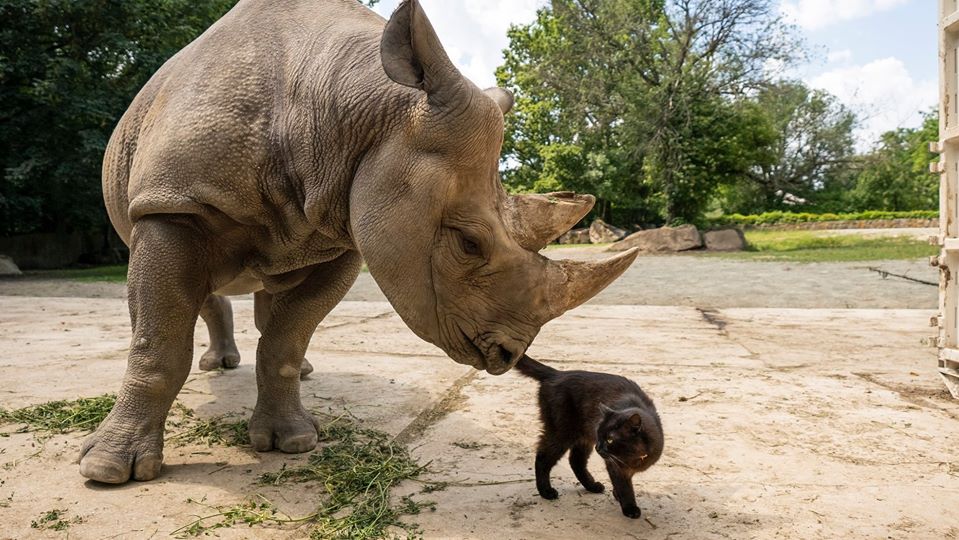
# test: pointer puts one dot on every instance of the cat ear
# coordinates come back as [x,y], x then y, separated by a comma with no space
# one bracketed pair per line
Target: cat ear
[636,421]
[604,409]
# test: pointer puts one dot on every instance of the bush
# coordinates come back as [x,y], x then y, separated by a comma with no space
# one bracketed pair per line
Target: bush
[778,217]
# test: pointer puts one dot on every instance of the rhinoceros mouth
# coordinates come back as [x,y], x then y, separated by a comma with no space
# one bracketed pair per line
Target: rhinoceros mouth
[494,354]
[498,355]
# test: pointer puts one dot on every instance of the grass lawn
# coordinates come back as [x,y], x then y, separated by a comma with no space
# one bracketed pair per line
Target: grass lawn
[808,246]
[115,273]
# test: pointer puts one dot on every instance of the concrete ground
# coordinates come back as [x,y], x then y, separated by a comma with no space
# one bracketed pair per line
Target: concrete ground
[780,423]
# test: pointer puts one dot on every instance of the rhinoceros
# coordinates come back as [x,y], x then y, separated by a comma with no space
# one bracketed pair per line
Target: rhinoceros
[291,141]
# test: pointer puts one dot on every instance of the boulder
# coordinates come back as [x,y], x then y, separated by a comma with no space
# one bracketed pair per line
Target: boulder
[725,240]
[8,267]
[601,232]
[663,239]
[575,236]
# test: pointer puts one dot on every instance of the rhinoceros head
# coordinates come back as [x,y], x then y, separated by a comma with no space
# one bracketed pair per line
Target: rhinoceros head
[456,256]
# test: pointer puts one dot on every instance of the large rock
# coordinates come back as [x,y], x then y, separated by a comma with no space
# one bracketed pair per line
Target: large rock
[601,232]
[575,236]
[663,239]
[8,267]
[725,240]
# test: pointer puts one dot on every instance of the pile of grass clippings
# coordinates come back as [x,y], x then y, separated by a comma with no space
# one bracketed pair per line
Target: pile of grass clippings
[61,416]
[357,467]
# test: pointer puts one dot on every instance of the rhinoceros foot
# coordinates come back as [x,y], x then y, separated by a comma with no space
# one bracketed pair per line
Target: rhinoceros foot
[117,452]
[293,431]
[220,356]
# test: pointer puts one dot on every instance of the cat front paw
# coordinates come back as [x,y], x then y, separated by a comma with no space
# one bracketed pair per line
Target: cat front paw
[595,487]
[549,493]
[632,512]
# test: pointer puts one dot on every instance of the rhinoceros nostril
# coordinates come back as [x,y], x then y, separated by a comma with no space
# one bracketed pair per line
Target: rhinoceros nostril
[505,355]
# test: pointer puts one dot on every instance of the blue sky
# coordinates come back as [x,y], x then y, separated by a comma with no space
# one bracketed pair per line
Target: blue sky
[879,57]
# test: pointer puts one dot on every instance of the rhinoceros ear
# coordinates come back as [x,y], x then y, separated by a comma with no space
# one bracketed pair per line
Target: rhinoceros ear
[502,97]
[413,56]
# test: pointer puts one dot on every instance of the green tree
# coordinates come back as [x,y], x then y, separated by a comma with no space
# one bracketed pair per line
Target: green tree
[895,174]
[642,102]
[809,155]
[68,70]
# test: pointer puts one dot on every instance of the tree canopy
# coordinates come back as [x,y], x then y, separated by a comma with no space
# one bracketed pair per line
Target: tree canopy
[667,109]
[68,70]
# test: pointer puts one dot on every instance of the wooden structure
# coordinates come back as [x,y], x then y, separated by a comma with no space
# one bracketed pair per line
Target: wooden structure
[948,148]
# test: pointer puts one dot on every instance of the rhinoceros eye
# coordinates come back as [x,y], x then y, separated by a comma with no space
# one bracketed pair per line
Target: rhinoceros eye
[471,247]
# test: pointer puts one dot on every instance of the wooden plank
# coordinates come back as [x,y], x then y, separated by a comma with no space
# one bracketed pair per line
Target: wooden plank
[950,245]
[952,355]
[950,23]
[951,135]
[951,378]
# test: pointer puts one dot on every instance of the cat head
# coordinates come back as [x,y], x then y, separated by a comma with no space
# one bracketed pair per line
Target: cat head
[630,438]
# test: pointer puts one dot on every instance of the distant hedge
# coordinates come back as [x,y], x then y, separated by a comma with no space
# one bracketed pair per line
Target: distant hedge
[777,217]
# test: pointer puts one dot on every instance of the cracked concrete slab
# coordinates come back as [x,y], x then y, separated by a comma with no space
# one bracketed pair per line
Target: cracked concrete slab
[780,423]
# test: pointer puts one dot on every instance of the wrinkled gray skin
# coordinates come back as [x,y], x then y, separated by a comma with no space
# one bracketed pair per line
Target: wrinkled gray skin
[275,153]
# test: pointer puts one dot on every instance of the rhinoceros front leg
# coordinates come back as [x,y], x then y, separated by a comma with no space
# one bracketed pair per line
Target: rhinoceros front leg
[279,420]
[262,306]
[222,352]
[166,288]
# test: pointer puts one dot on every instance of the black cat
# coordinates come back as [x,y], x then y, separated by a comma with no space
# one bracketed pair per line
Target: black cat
[581,410]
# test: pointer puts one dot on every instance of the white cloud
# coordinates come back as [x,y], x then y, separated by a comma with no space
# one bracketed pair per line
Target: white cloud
[815,14]
[882,92]
[474,31]
[838,57]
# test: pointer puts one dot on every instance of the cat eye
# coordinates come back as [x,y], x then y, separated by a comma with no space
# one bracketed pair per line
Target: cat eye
[609,440]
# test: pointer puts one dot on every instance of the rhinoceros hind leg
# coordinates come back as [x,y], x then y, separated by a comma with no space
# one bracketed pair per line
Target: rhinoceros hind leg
[305,368]
[287,321]
[262,305]
[166,289]
[222,352]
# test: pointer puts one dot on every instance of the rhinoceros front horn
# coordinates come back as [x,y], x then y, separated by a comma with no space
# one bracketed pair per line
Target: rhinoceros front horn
[535,220]
[574,282]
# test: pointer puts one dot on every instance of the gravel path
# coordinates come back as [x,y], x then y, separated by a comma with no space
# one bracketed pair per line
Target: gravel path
[668,280]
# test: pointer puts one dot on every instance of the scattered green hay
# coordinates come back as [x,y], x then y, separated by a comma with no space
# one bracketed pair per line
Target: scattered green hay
[224,430]
[61,416]
[469,445]
[251,513]
[53,520]
[430,487]
[357,468]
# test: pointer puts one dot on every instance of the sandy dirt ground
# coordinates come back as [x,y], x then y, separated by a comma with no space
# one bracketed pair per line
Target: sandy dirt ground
[780,423]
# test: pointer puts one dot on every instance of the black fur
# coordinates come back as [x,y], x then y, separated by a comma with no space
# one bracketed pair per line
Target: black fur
[582,410]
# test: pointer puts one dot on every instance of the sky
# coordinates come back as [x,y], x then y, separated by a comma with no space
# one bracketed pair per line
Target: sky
[879,57]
